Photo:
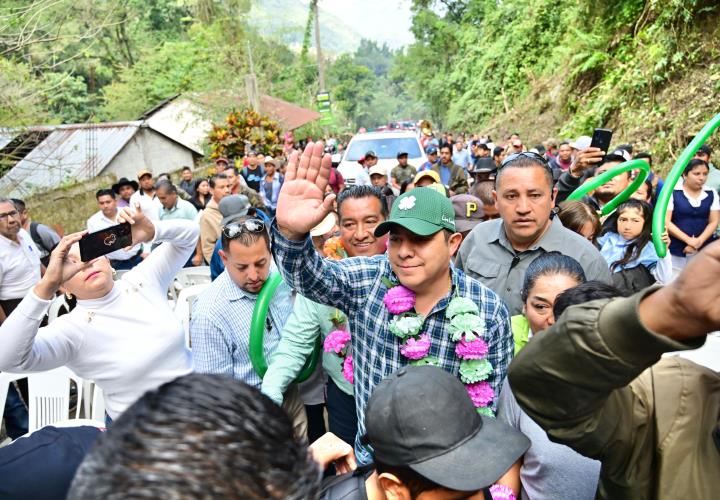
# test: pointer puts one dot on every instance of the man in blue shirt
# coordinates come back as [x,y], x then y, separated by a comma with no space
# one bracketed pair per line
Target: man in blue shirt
[460,155]
[220,325]
[432,156]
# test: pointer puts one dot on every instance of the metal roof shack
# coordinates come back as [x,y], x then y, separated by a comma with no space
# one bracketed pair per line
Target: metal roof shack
[75,153]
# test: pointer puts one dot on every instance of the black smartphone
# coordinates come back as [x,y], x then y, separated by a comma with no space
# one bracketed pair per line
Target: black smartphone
[105,241]
[601,139]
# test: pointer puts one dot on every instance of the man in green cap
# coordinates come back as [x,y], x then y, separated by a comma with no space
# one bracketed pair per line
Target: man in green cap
[391,325]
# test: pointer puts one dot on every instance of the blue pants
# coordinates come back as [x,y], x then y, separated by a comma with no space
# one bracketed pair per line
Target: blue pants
[342,417]
[126,265]
[16,415]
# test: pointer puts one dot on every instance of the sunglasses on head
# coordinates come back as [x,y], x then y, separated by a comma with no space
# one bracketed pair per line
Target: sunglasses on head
[235,229]
[531,155]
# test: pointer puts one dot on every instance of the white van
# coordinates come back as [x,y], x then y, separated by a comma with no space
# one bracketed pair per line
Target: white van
[386,146]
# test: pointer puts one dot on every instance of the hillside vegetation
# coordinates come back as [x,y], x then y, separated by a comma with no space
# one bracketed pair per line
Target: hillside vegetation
[648,69]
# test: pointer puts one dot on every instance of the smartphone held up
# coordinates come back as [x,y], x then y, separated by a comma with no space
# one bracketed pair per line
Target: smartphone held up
[601,139]
[105,241]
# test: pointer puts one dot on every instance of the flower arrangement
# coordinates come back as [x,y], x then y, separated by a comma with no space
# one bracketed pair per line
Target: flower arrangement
[338,342]
[465,328]
[502,492]
[333,249]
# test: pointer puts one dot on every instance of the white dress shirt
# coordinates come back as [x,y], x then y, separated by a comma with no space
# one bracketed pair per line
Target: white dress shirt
[19,266]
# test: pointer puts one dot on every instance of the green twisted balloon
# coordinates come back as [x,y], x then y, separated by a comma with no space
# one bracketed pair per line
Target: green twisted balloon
[658,222]
[601,179]
[257,332]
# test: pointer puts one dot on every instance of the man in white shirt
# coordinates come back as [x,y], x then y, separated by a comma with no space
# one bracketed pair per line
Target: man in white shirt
[146,196]
[19,259]
[356,174]
[19,272]
[106,217]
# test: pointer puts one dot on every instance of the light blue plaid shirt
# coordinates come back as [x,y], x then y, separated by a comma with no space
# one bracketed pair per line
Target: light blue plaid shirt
[355,286]
[220,329]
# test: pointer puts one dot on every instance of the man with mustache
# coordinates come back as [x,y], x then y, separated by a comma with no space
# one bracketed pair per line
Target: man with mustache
[221,317]
[498,252]
[361,209]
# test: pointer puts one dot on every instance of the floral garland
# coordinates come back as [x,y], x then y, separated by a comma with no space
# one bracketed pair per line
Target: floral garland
[334,249]
[465,325]
[502,492]
[338,341]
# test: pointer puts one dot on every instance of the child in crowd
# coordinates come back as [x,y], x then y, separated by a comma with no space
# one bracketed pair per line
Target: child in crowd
[628,249]
[579,217]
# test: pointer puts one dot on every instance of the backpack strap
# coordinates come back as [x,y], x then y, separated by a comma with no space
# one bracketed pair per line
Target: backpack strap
[36,236]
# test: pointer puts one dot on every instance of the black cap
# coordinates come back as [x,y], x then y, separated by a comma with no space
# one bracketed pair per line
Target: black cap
[370,154]
[484,165]
[401,153]
[619,155]
[421,417]
[124,181]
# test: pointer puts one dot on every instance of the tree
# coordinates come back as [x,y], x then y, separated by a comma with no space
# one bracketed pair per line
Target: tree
[243,131]
[352,87]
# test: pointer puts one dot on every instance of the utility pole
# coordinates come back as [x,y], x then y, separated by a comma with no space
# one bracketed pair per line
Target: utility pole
[251,88]
[321,69]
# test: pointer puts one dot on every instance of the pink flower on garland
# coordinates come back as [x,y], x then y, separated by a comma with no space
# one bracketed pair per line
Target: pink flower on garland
[336,341]
[502,492]
[416,348]
[399,299]
[481,393]
[348,369]
[474,349]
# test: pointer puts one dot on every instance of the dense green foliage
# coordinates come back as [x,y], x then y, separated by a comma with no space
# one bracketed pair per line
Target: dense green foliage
[474,60]
[566,65]
[85,60]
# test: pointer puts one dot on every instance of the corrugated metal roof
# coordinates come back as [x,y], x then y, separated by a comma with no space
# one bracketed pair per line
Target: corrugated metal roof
[63,157]
[5,137]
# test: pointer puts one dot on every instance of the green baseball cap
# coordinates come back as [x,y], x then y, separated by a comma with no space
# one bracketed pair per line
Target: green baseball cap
[422,211]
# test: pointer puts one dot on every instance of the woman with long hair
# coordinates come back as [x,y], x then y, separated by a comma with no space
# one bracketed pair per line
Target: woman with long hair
[122,334]
[692,214]
[202,194]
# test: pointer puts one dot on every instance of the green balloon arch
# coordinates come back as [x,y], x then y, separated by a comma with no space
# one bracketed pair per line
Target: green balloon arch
[658,222]
[601,179]
[257,332]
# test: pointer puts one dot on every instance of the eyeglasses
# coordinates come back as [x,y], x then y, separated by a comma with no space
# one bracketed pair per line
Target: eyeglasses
[232,231]
[12,213]
[531,155]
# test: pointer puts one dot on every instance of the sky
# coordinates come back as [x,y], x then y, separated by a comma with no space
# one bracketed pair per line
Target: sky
[381,20]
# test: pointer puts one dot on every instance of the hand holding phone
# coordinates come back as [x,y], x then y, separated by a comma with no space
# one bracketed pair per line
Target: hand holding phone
[601,139]
[105,241]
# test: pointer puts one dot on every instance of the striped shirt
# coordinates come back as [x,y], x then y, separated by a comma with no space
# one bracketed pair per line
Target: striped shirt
[220,329]
[355,286]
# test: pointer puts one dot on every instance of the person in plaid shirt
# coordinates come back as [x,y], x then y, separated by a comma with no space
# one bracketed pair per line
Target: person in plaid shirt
[422,243]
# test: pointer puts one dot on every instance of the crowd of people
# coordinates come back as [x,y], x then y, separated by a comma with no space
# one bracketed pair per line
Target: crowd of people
[457,329]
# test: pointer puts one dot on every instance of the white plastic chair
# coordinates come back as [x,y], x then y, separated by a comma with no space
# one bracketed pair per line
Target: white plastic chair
[49,396]
[5,380]
[55,306]
[98,404]
[190,276]
[184,305]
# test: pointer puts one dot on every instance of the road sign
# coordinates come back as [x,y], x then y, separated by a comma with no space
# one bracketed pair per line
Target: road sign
[324,107]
